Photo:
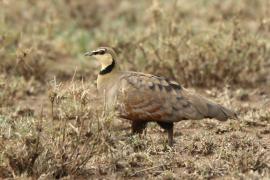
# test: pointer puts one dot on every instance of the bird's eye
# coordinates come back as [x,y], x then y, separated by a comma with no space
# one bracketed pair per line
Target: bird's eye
[101,52]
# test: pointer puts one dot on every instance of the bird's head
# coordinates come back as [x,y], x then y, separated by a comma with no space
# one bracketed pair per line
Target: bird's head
[106,57]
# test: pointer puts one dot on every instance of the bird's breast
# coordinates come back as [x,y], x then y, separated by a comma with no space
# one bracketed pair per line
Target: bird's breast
[108,88]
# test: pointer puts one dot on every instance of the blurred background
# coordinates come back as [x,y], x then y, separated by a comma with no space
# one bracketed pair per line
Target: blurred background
[52,124]
[199,43]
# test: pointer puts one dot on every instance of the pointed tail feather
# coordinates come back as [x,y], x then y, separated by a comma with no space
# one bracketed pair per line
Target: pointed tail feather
[220,112]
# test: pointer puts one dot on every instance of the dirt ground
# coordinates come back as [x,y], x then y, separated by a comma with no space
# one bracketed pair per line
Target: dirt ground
[52,121]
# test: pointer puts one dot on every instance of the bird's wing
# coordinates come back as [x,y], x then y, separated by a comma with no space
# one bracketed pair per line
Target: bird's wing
[151,98]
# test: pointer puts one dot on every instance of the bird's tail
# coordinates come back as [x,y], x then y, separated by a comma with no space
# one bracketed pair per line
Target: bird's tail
[219,112]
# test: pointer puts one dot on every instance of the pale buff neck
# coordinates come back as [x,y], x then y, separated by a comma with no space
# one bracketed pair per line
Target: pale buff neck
[107,77]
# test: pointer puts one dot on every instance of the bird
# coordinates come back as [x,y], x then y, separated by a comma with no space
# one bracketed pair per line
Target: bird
[143,98]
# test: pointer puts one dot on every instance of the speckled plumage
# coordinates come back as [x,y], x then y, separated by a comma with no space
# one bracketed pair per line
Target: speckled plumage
[143,98]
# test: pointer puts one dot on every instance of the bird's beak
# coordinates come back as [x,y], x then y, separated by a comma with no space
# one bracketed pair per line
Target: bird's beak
[89,53]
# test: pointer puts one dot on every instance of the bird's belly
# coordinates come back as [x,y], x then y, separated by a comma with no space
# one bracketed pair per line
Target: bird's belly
[148,111]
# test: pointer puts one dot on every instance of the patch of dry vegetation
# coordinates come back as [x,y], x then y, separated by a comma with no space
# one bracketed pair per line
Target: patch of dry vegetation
[53,125]
[77,139]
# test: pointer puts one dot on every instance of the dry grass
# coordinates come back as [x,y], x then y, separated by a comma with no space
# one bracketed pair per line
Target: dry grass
[52,123]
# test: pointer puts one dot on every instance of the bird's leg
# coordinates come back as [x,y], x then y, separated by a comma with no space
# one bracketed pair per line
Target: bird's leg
[138,126]
[169,128]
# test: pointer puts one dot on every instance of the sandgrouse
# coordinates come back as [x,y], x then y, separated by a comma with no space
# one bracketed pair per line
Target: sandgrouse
[144,98]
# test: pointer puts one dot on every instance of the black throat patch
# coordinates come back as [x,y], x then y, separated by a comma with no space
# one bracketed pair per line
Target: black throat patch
[108,69]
